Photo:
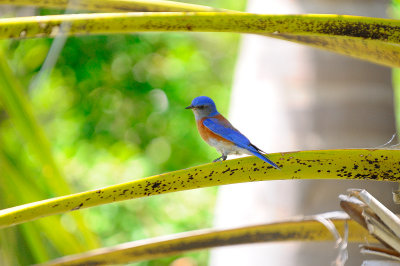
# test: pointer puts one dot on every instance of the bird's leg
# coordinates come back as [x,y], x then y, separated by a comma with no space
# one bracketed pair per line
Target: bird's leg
[218,159]
[222,158]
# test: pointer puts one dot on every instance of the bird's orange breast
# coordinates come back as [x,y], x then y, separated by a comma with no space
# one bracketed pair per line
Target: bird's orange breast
[206,134]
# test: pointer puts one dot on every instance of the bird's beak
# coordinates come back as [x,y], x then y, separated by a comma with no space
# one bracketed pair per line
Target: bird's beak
[189,107]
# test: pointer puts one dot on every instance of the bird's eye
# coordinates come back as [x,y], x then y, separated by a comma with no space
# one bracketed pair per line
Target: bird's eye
[200,106]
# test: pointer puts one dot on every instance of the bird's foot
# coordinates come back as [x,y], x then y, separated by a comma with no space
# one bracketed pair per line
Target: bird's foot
[218,159]
[222,158]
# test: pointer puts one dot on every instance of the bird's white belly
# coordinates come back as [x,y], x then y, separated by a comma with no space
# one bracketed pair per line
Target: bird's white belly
[226,148]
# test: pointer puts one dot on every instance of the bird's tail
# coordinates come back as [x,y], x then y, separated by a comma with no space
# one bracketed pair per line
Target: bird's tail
[265,159]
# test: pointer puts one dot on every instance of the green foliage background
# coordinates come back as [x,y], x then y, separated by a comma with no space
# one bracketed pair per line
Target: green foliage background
[113,110]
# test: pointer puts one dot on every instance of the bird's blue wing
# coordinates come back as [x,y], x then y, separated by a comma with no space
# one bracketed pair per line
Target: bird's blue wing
[227,133]
[236,137]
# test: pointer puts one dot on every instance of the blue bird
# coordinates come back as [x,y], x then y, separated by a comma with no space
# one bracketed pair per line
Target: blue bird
[219,133]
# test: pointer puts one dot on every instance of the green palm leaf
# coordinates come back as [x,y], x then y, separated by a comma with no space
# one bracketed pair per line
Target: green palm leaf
[375,164]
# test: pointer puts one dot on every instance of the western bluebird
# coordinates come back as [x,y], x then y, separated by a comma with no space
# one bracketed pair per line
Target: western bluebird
[219,133]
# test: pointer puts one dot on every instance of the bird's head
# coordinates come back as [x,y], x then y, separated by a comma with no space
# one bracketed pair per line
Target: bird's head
[203,106]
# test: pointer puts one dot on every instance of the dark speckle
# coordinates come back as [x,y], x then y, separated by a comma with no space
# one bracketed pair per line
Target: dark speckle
[124,191]
[77,207]
[227,170]
[156,184]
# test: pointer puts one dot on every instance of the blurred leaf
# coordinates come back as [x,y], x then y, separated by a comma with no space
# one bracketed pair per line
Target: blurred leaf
[371,39]
[377,164]
[8,240]
[20,190]
[114,5]
[20,111]
[18,108]
[305,229]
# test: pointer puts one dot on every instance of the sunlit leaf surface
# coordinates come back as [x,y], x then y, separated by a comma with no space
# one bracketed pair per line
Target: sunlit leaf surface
[307,229]
[372,39]
[377,164]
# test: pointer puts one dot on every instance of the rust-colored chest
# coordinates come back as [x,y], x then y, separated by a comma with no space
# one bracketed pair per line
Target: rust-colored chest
[207,134]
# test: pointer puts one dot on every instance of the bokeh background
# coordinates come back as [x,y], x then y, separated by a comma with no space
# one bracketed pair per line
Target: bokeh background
[113,111]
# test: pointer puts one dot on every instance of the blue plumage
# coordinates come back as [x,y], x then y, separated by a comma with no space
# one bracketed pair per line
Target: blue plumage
[226,132]
[232,134]
[218,132]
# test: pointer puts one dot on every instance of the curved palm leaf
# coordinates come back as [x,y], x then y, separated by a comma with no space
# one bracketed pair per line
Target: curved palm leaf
[115,5]
[376,164]
[307,229]
[20,189]
[371,39]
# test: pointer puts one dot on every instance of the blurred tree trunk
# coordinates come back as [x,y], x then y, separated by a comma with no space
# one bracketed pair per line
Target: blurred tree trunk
[288,97]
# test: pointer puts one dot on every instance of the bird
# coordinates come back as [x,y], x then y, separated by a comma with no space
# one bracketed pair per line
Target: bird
[219,133]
